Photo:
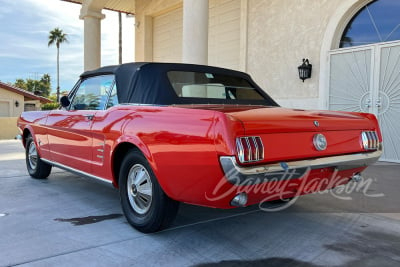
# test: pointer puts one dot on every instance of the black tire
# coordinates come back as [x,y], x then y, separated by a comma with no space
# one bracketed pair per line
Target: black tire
[148,212]
[37,168]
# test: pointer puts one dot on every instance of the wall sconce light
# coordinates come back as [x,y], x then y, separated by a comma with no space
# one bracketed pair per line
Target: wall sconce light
[16,103]
[305,70]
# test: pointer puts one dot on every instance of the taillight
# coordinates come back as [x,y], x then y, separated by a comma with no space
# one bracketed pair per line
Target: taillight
[249,149]
[369,140]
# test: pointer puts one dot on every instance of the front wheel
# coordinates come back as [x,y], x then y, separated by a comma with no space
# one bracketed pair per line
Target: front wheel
[36,167]
[145,205]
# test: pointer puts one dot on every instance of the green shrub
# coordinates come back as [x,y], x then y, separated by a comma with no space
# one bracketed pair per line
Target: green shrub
[50,106]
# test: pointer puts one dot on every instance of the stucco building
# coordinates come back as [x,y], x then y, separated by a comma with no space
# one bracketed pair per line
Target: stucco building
[13,101]
[353,46]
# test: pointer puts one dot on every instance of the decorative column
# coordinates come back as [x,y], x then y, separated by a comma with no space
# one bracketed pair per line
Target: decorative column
[92,38]
[195,32]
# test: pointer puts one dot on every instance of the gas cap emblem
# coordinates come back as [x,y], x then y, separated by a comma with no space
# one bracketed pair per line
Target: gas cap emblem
[320,142]
[316,123]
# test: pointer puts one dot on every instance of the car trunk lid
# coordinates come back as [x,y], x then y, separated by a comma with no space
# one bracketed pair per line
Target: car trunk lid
[288,134]
[281,120]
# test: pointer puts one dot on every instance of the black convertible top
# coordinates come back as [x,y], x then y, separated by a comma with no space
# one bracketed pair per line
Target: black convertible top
[148,83]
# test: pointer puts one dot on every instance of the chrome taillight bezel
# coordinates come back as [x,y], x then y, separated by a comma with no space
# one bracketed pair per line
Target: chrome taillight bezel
[250,149]
[369,140]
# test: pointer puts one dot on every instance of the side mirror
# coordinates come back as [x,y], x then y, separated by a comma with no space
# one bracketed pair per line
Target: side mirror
[64,101]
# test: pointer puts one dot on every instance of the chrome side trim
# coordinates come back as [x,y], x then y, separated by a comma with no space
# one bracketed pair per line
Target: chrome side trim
[293,169]
[78,172]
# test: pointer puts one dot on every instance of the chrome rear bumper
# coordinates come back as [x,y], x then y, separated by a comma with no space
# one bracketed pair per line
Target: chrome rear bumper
[293,169]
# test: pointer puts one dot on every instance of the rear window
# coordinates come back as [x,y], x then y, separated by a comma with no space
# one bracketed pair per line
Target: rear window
[212,86]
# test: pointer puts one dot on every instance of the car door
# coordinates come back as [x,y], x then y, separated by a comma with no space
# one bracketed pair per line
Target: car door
[105,132]
[69,130]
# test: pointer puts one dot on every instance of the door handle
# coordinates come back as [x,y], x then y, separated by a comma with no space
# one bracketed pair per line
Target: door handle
[89,116]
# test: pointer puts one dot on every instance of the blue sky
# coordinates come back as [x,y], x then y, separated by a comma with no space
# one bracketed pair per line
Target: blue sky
[24,30]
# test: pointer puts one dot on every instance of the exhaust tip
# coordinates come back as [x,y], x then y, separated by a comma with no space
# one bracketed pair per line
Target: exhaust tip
[356,177]
[240,200]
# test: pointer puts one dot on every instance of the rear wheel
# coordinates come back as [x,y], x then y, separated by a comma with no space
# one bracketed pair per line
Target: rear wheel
[145,205]
[37,168]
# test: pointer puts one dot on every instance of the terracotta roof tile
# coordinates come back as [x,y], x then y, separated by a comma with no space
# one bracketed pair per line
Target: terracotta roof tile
[24,93]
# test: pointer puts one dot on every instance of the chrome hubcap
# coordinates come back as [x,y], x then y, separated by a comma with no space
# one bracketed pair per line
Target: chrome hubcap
[140,189]
[32,156]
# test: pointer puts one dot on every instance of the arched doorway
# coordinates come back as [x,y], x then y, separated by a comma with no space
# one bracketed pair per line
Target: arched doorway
[364,73]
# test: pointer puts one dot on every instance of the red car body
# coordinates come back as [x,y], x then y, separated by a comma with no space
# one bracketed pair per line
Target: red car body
[194,149]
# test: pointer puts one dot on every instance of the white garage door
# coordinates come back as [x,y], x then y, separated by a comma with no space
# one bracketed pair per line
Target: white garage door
[223,40]
[224,33]
[167,36]
[4,109]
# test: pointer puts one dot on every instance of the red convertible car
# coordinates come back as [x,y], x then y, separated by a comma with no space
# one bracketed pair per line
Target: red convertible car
[168,133]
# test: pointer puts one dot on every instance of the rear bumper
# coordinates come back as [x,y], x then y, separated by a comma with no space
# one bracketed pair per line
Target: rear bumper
[239,175]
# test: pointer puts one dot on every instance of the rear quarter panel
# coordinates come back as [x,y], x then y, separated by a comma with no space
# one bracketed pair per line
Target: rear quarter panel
[182,146]
[33,122]
[179,145]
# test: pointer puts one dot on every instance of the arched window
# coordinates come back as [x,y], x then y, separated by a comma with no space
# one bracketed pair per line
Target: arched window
[379,21]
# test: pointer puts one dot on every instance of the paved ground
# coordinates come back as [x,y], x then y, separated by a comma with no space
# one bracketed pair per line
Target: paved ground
[67,220]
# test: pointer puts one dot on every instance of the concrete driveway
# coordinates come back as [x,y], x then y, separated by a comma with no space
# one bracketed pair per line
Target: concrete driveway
[67,220]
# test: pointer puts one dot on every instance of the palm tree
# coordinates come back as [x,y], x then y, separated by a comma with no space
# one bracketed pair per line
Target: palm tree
[57,37]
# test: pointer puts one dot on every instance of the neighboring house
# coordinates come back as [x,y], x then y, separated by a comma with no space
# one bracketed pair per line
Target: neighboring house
[13,101]
[353,45]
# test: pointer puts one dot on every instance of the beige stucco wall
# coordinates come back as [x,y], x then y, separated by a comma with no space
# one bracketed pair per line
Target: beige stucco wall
[11,97]
[275,36]
[283,32]
[280,34]
[8,129]
[8,125]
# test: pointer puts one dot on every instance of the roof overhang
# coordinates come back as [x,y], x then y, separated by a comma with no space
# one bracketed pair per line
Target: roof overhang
[124,6]
[27,95]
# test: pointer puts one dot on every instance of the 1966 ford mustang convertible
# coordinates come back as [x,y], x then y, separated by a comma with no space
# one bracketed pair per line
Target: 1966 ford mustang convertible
[168,133]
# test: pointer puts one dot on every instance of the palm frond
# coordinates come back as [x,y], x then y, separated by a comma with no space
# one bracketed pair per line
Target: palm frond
[57,36]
